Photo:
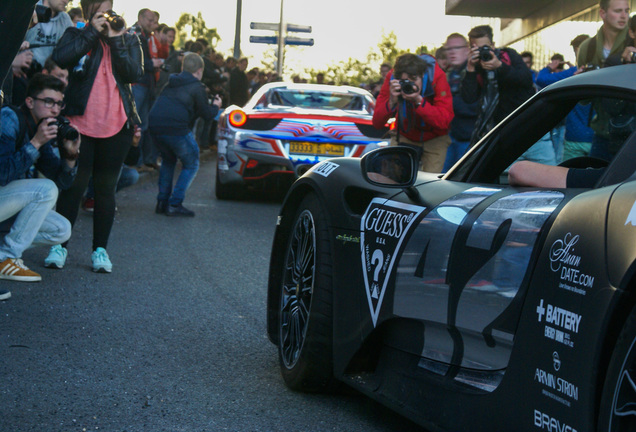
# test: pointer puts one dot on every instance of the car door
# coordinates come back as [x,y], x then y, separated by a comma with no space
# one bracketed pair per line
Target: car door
[464,269]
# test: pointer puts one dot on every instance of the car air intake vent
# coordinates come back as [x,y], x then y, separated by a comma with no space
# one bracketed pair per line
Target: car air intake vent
[372,132]
[260,124]
[357,199]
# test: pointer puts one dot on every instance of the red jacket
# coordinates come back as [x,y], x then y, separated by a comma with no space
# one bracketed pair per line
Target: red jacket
[430,119]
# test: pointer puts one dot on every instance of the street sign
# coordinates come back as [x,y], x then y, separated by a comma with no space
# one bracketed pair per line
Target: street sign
[264,26]
[298,28]
[274,27]
[288,40]
[264,39]
[299,41]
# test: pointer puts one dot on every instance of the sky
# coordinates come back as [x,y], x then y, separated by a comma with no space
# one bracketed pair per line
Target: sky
[340,28]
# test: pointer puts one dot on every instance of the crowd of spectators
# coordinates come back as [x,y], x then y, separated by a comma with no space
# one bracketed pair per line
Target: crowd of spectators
[124,96]
[487,83]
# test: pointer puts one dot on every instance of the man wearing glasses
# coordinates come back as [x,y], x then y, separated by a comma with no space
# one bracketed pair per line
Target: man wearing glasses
[29,137]
[463,123]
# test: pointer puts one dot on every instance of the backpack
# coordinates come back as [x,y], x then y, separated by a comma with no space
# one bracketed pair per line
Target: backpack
[19,142]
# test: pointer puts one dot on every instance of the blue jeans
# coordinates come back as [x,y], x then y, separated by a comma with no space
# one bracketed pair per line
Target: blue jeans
[455,152]
[26,209]
[173,148]
[557,135]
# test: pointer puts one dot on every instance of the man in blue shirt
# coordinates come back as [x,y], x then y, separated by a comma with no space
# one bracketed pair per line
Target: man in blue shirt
[171,119]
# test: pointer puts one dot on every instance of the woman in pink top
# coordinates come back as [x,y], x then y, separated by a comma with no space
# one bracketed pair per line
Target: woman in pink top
[103,59]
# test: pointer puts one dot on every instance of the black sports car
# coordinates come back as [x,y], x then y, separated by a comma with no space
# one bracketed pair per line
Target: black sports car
[458,300]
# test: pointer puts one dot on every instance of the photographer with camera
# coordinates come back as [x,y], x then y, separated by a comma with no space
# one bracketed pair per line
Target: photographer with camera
[498,78]
[29,135]
[171,119]
[417,94]
[103,60]
[52,22]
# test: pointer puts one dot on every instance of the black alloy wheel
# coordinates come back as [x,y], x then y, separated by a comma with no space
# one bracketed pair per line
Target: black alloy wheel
[618,403]
[305,315]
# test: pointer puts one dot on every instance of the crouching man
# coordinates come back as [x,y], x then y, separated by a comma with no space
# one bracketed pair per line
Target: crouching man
[29,137]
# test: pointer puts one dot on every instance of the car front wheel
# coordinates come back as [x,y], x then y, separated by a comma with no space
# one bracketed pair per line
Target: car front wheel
[305,313]
[618,403]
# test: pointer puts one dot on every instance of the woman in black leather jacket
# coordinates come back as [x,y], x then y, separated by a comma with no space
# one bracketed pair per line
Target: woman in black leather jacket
[102,62]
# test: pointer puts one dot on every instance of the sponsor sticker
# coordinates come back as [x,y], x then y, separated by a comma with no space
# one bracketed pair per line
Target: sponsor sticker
[556,361]
[551,424]
[325,168]
[560,323]
[384,226]
[553,383]
[344,238]
[565,262]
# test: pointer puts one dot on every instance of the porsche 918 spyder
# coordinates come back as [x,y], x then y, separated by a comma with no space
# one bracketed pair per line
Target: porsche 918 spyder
[285,129]
[463,302]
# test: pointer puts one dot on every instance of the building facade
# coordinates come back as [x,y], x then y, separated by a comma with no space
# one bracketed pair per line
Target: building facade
[543,27]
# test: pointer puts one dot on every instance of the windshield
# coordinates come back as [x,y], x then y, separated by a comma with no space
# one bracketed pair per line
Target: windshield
[583,133]
[324,100]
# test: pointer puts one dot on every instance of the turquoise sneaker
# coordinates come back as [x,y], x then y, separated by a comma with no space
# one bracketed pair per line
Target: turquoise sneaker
[101,262]
[57,257]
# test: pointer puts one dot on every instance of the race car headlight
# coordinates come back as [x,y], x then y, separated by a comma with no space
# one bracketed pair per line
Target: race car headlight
[237,118]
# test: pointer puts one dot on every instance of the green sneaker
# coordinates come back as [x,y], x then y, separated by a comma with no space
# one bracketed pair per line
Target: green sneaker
[101,262]
[57,257]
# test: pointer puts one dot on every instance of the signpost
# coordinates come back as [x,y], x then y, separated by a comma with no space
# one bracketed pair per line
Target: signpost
[273,40]
[281,39]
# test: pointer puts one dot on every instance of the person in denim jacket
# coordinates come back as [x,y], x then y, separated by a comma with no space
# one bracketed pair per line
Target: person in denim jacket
[28,138]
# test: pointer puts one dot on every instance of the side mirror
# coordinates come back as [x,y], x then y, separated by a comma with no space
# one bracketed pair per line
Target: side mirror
[394,166]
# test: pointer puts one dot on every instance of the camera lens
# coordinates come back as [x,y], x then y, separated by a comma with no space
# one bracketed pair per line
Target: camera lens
[65,131]
[116,22]
[408,87]
[485,54]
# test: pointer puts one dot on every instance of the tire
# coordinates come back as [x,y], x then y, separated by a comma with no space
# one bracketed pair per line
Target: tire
[226,191]
[617,412]
[305,323]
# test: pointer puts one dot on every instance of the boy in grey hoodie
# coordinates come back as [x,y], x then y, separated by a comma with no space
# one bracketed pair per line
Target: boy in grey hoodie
[43,36]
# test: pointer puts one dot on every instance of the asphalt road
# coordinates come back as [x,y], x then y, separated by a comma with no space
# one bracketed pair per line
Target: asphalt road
[173,340]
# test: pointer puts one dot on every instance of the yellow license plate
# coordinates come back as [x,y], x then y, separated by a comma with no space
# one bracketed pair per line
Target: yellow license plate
[317,149]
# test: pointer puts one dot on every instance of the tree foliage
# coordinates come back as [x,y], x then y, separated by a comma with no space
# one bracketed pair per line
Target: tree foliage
[190,27]
[357,72]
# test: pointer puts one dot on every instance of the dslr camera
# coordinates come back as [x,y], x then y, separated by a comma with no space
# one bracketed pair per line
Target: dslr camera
[408,86]
[116,21]
[64,129]
[485,53]
[590,67]
[43,13]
